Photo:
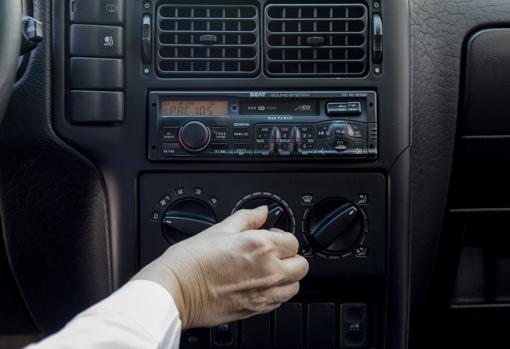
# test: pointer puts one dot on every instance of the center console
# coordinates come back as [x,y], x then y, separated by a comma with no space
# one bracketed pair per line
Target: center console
[192,111]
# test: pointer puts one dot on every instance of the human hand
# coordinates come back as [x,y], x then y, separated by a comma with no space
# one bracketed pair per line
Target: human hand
[230,271]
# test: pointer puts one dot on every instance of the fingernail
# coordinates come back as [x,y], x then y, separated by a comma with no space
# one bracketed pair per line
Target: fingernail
[261,208]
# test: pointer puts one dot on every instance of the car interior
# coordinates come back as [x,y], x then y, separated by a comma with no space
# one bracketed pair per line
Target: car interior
[376,131]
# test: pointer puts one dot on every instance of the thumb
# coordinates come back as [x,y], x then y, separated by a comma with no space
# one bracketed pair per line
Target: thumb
[244,220]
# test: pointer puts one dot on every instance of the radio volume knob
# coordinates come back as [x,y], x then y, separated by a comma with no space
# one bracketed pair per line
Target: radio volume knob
[194,136]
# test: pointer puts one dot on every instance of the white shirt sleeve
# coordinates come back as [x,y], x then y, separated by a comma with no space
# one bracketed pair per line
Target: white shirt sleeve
[141,314]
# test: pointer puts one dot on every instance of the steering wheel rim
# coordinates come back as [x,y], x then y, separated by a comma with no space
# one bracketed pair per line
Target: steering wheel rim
[10,40]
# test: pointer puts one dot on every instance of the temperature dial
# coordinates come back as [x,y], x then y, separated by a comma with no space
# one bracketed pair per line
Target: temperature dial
[334,226]
[280,216]
[186,218]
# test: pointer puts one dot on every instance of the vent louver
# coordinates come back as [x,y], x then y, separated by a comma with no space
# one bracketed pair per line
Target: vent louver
[207,40]
[324,40]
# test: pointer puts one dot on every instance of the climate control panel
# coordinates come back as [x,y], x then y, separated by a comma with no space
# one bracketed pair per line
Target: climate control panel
[340,226]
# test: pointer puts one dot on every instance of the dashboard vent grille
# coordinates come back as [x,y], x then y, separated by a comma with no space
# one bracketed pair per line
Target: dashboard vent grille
[324,40]
[207,40]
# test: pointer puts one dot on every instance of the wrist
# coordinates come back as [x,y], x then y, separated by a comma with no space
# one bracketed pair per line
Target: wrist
[164,276]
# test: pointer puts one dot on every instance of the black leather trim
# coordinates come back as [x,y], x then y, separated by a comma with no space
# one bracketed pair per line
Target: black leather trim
[10,40]
[438,31]
[52,202]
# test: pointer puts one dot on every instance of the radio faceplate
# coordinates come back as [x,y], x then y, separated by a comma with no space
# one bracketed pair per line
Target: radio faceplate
[263,126]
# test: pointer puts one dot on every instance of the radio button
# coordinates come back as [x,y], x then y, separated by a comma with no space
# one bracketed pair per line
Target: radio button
[354,108]
[285,132]
[242,150]
[304,132]
[285,149]
[340,145]
[241,133]
[218,149]
[355,130]
[219,133]
[264,149]
[340,129]
[263,132]
[306,149]
[170,133]
[322,131]
[337,109]
[172,149]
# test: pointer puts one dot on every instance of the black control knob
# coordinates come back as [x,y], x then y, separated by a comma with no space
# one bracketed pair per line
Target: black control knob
[194,136]
[334,226]
[186,218]
[279,216]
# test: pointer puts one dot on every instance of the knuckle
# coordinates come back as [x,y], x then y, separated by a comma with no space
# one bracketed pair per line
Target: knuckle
[257,302]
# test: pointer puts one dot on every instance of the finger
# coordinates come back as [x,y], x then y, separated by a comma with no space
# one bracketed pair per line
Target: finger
[282,294]
[244,220]
[294,268]
[286,244]
[276,230]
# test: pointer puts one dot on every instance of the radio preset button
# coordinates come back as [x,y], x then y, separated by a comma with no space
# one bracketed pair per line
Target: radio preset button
[170,133]
[304,132]
[285,149]
[241,133]
[263,132]
[264,149]
[285,132]
[219,133]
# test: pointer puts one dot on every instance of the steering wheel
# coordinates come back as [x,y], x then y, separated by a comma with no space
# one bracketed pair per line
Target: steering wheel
[10,40]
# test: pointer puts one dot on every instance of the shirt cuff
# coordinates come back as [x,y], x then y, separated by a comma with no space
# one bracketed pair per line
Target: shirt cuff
[149,305]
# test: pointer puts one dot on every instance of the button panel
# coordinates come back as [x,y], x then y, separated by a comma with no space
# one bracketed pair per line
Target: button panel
[241,136]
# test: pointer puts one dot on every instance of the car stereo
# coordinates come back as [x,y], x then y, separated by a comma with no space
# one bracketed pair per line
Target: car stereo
[262,125]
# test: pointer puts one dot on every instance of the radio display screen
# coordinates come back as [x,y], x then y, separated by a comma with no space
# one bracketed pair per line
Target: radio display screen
[279,107]
[191,107]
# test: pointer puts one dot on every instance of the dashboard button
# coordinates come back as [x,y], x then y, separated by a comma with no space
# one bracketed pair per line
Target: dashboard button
[218,149]
[219,133]
[264,149]
[340,129]
[355,130]
[305,132]
[263,132]
[171,149]
[336,108]
[322,131]
[354,108]
[285,149]
[288,326]
[285,132]
[241,133]
[96,73]
[242,150]
[96,107]
[170,133]
[96,41]
[96,12]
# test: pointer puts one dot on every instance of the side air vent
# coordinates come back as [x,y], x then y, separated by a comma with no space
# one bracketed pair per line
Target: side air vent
[206,40]
[324,40]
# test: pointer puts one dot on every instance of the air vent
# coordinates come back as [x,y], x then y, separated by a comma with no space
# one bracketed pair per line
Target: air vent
[316,40]
[207,40]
